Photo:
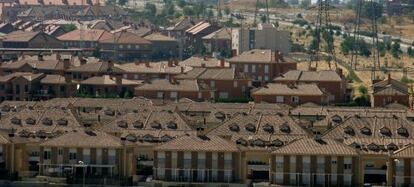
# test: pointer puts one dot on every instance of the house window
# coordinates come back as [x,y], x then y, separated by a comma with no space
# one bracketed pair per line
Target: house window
[200,95]
[136,46]
[72,155]
[266,78]
[46,154]
[60,151]
[129,46]
[212,84]
[235,84]
[280,99]
[125,76]
[253,68]
[160,95]
[266,70]
[173,95]
[136,77]
[121,46]
[279,170]
[246,68]
[295,99]
[223,95]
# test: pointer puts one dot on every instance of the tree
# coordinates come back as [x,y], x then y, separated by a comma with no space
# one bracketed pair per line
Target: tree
[347,46]
[371,10]
[305,4]
[410,52]
[210,13]
[181,3]
[122,2]
[188,11]
[151,9]
[227,10]
[263,18]
[110,2]
[396,49]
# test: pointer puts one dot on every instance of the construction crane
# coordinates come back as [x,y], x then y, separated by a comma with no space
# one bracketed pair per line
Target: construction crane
[256,12]
[323,27]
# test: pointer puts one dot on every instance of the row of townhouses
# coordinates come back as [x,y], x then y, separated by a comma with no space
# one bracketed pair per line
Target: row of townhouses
[212,144]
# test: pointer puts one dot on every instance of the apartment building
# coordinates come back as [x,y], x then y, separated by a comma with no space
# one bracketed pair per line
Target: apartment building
[289,94]
[389,91]
[85,38]
[145,70]
[225,81]
[218,42]
[163,47]
[29,39]
[265,36]
[174,89]
[332,83]
[20,86]
[315,162]
[194,35]
[261,65]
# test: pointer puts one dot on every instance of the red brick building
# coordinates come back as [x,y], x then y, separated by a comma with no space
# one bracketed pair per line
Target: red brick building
[261,65]
[333,83]
[289,94]
[389,91]
[225,81]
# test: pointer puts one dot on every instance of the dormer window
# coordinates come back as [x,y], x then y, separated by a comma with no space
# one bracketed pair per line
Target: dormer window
[172,125]
[392,147]
[374,147]
[402,131]
[220,115]
[166,138]
[131,137]
[268,128]
[156,125]
[24,133]
[62,122]
[336,119]
[30,121]
[122,124]
[41,134]
[277,143]
[16,121]
[366,131]
[138,125]
[241,141]
[250,127]
[285,128]
[349,130]
[148,138]
[385,131]
[109,112]
[259,143]
[47,121]
[356,145]
[234,127]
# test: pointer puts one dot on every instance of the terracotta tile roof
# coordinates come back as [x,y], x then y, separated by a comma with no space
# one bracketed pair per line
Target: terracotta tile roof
[153,137]
[209,74]
[154,67]
[54,79]
[25,75]
[197,28]
[257,124]
[198,143]
[262,142]
[377,146]
[372,127]
[166,85]
[108,81]
[95,67]
[3,140]
[88,35]
[124,37]
[159,37]
[254,56]
[20,36]
[406,152]
[81,138]
[283,89]
[309,146]
[221,34]
[306,76]
[121,105]
[390,87]
[195,61]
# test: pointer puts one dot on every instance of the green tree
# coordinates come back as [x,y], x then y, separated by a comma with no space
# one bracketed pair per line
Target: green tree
[181,3]
[227,10]
[188,11]
[410,52]
[396,50]
[372,9]
[305,4]
[151,9]
[263,18]
[122,2]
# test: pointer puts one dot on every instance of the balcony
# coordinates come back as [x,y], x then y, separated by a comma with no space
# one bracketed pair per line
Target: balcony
[195,175]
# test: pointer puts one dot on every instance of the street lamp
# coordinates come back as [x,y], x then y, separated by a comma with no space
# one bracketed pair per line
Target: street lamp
[83,168]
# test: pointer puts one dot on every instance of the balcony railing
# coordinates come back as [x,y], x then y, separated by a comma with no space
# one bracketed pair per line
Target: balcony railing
[311,179]
[196,175]
[401,181]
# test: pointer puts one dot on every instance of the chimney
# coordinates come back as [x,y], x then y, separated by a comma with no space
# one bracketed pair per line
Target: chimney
[340,72]
[222,62]
[200,131]
[203,65]
[66,63]
[68,77]
[389,78]
[82,60]
[176,62]
[182,69]
[170,62]
[110,64]
[58,57]
[147,64]
[277,57]
[233,53]
[118,82]
[40,57]
[205,58]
